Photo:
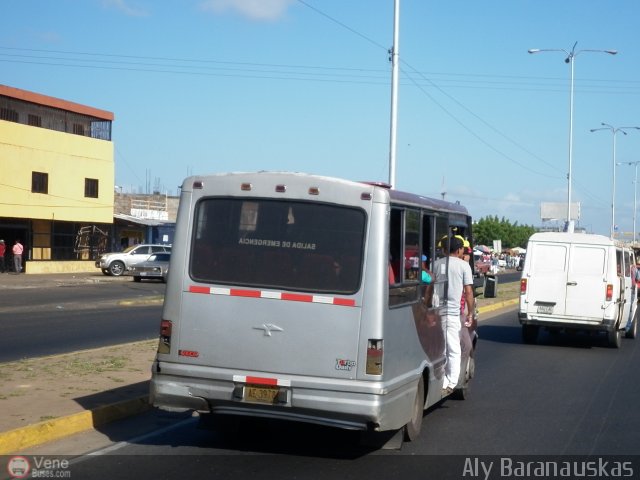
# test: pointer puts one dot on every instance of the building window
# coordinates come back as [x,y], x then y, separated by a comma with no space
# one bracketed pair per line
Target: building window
[39,182]
[34,120]
[78,129]
[91,187]
[8,114]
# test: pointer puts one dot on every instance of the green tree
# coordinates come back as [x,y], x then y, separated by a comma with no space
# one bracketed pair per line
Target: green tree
[490,228]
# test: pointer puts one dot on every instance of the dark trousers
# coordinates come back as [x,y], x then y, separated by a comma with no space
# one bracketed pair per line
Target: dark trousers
[3,267]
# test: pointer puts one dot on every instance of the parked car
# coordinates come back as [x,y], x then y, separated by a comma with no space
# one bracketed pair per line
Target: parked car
[155,266]
[117,263]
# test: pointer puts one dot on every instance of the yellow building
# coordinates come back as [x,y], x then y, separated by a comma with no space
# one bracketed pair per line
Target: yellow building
[57,179]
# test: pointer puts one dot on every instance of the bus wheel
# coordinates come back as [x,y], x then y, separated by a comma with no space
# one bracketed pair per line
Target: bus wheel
[614,338]
[530,334]
[412,429]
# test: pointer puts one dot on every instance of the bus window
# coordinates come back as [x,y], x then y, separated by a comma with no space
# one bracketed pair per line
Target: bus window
[278,244]
[404,255]
[412,246]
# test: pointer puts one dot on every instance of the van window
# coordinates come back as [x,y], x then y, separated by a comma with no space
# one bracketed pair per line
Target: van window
[619,263]
[278,244]
[550,258]
[627,264]
[588,260]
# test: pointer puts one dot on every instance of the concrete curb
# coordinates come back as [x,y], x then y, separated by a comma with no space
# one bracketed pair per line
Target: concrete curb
[16,440]
[498,305]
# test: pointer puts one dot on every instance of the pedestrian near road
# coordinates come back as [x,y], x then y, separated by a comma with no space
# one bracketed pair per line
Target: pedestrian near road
[17,255]
[460,279]
[3,249]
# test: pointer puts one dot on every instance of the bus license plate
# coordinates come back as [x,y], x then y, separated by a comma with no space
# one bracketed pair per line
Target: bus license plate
[546,309]
[260,394]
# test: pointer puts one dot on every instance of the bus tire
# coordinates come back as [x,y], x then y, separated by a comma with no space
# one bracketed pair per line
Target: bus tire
[412,429]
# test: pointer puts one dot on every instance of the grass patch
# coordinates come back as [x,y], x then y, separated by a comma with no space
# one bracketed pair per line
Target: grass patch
[91,366]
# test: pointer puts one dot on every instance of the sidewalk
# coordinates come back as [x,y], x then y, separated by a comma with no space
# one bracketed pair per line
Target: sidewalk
[35,280]
[47,398]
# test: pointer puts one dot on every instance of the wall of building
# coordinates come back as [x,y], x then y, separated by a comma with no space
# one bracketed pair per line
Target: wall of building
[67,159]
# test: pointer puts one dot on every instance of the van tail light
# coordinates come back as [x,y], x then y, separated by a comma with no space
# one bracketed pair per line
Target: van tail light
[609,292]
[374,357]
[523,286]
[164,343]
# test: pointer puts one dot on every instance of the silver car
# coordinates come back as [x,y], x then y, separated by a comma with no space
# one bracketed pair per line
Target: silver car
[156,266]
[117,263]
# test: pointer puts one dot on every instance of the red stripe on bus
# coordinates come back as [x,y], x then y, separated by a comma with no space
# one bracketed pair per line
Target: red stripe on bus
[294,297]
[262,381]
[345,302]
[196,289]
[244,293]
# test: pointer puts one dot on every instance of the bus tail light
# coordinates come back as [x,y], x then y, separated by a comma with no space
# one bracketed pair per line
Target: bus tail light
[523,286]
[374,357]
[609,292]
[164,343]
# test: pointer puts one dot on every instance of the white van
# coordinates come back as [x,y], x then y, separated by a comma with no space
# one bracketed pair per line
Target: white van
[300,297]
[577,281]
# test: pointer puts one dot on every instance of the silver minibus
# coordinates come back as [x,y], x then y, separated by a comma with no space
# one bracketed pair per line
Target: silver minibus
[300,297]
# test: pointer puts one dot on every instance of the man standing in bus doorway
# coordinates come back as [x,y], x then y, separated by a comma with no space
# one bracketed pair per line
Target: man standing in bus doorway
[460,280]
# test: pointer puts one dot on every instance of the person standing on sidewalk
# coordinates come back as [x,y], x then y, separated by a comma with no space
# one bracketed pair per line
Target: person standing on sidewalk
[17,255]
[460,280]
[3,249]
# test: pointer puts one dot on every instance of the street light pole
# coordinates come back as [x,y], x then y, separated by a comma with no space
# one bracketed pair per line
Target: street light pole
[635,195]
[393,55]
[571,55]
[614,131]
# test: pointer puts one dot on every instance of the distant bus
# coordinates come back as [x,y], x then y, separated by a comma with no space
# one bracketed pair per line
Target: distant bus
[299,297]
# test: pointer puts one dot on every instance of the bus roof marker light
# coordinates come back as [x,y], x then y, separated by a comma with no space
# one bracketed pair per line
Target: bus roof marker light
[314,191]
[365,196]
[198,185]
[246,187]
[281,188]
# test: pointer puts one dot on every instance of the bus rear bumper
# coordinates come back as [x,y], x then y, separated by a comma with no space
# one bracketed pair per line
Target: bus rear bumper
[353,405]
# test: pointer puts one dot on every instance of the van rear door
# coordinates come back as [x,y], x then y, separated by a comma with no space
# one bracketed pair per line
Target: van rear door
[547,278]
[586,281]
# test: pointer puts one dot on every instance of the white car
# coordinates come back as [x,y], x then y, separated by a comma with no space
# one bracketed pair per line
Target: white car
[117,263]
[156,266]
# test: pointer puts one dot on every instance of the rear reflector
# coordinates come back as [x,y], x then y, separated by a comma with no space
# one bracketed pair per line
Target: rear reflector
[609,292]
[523,285]
[374,357]
[164,342]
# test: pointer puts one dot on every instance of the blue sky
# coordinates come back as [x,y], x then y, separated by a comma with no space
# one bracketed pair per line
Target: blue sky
[207,86]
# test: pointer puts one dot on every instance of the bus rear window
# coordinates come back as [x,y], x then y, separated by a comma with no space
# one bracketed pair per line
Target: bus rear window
[278,244]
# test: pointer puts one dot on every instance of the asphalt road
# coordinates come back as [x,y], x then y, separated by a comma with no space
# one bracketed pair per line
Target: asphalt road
[568,395]
[58,319]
